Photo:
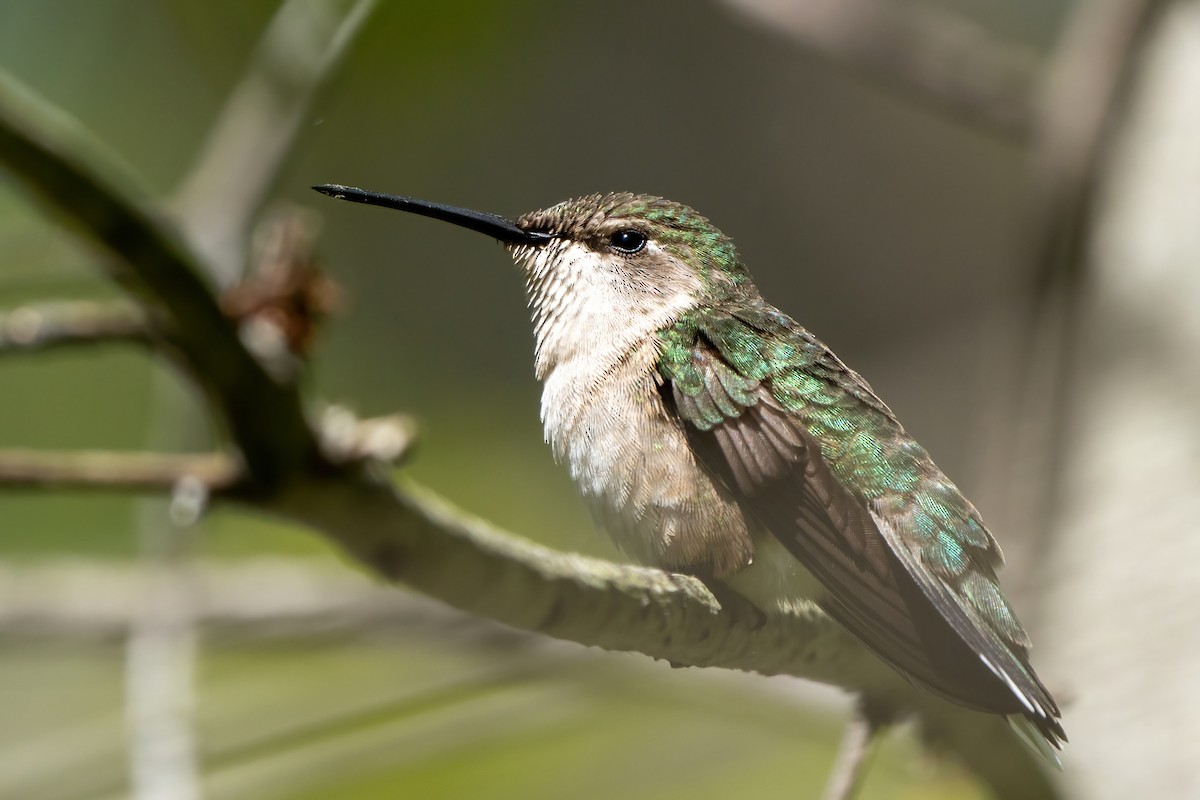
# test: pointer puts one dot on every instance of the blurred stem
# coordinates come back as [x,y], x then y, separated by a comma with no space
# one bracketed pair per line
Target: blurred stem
[300,51]
[62,164]
[859,744]
[39,327]
[161,656]
[110,471]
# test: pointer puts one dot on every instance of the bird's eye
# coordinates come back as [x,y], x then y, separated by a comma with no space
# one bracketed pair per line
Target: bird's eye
[627,241]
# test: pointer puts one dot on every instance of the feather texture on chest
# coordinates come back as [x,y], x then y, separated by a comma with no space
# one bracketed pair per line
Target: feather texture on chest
[596,353]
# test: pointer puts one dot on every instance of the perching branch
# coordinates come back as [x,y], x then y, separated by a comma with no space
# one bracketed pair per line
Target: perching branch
[411,537]
[404,534]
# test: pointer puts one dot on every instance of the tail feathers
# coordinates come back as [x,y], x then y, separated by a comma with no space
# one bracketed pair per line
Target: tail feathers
[1035,739]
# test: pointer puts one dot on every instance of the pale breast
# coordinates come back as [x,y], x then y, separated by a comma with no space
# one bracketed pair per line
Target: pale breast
[595,324]
[635,470]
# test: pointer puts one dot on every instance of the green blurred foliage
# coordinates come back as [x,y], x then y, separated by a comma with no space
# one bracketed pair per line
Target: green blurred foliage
[504,106]
[421,717]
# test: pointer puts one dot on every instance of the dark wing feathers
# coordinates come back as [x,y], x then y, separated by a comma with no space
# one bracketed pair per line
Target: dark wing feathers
[909,573]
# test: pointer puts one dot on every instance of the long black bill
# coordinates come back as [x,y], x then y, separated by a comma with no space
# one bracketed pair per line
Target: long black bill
[492,224]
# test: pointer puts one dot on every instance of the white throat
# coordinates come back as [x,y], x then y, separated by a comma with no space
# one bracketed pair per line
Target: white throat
[590,311]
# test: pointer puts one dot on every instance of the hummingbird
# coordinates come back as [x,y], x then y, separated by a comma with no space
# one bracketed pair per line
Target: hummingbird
[711,434]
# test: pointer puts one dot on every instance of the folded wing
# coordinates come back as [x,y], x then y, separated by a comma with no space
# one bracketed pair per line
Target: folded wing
[824,466]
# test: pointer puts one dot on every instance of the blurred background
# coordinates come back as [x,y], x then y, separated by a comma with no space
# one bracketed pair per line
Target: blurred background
[920,236]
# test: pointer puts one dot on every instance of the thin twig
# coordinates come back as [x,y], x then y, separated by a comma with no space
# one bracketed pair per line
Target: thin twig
[39,327]
[940,59]
[115,471]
